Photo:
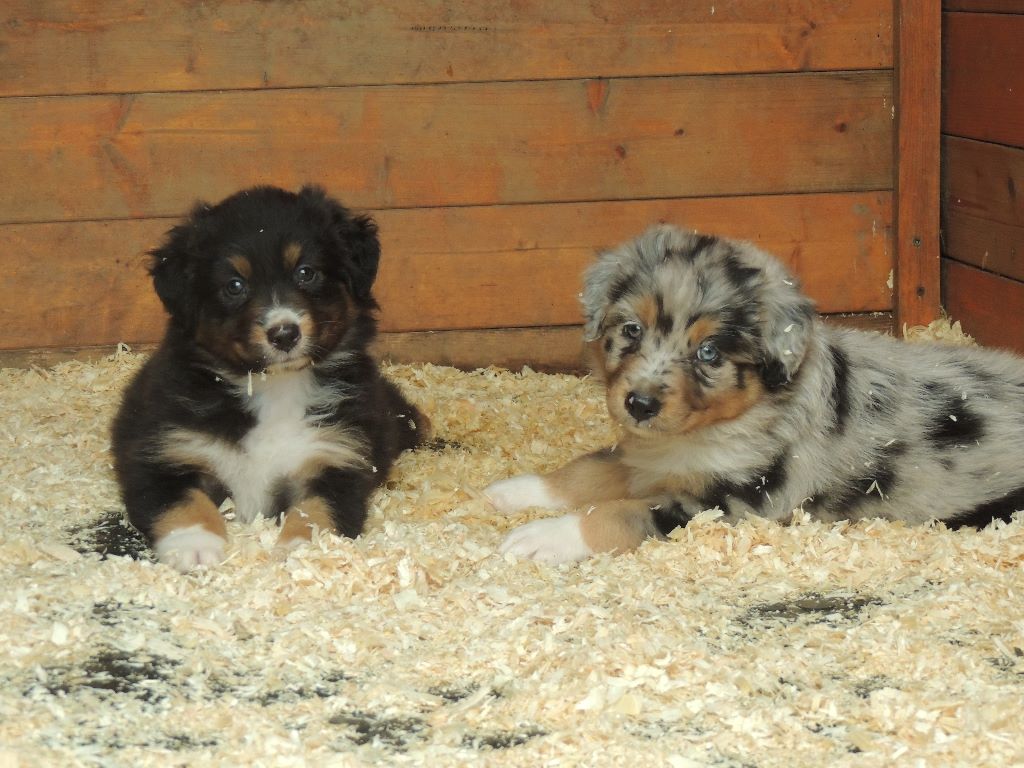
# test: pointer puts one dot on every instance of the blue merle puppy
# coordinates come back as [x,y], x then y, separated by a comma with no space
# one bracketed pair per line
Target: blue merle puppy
[731,393]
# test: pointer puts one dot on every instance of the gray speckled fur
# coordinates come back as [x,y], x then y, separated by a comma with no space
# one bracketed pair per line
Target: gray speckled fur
[861,425]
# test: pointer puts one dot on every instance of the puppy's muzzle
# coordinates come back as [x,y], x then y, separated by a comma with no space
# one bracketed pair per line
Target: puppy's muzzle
[284,336]
[642,407]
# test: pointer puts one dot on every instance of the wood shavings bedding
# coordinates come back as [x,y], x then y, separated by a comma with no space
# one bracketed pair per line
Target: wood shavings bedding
[759,644]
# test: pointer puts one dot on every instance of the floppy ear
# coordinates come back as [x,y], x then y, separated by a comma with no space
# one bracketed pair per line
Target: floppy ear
[173,264]
[597,289]
[786,318]
[354,236]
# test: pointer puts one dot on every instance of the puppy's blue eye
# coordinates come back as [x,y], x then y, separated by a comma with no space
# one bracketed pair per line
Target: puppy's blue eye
[305,275]
[235,287]
[707,352]
[632,330]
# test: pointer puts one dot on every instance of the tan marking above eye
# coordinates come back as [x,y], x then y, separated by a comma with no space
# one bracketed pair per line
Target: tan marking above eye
[291,255]
[241,264]
[701,329]
[646,311]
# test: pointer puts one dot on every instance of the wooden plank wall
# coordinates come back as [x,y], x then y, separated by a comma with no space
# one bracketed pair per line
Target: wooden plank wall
[498,145]
[983,168]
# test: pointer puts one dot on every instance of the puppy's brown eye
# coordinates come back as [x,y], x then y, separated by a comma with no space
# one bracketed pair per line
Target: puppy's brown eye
[305,274]
[234,287]
[632,331]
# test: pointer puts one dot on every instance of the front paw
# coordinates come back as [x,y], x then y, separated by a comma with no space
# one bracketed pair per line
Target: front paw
[187,548]
[520,492]
[553,540]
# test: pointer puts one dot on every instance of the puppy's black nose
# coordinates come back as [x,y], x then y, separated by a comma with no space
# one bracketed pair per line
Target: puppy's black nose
[284,336]
[642,407]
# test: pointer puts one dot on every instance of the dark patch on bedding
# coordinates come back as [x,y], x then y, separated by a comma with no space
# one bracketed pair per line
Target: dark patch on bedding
[811,607]
[864,688]
[396,733]
[501,739]
[113,671]
[439,445]
[110,535]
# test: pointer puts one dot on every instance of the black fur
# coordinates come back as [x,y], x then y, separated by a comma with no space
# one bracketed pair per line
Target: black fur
[997,509]
[840,396]
[954,423]
[195,379]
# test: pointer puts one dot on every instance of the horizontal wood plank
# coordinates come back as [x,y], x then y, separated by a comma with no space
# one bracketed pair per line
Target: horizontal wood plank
[983,77]
[102,157]
[543,349]
[984,243]
[486,267]
[988,306]
[983,205]
[984,6]
[127,46]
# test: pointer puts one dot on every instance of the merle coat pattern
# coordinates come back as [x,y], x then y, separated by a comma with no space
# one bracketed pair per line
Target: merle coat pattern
[731,393]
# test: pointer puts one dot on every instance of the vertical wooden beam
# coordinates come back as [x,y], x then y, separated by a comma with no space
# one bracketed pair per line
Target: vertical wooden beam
[918,93]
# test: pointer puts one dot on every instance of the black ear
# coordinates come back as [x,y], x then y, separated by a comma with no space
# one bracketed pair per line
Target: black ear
[353,236]
[173,265]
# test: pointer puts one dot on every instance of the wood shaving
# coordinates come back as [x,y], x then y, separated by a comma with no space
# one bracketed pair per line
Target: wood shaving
[872,644]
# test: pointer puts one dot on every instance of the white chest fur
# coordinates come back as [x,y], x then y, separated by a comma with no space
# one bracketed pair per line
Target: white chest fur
[286,443]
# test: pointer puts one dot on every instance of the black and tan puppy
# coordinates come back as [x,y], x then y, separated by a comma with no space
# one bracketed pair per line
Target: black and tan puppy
[262,389]
[731,393]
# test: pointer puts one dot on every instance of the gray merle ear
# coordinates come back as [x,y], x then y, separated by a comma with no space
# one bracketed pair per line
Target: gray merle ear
[354,237]
[599,283]
[173,264]
[785,320]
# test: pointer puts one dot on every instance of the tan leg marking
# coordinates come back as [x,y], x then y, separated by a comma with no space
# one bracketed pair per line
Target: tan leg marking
[195,509]
[598,476]
[618,526]
[300,519]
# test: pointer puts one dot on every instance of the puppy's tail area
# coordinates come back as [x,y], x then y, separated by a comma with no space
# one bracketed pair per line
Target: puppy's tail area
[413,427]
[422,432]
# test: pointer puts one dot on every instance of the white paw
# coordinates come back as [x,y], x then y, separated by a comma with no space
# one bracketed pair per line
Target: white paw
[520,492]
[552,540]
[188,548]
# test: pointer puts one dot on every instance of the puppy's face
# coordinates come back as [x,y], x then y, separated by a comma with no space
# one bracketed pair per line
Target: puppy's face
[269,280]
[690,331]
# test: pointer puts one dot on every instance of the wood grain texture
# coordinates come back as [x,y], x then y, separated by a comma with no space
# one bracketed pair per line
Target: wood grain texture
[485,267]
[983,205]
[543,349]
[917,113]
[988,306]
[983,77]
[126,46]
[101,157]
[984,6]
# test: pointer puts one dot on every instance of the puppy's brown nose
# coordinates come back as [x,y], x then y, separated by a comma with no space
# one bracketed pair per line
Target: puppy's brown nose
[642,407]
[284,336]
